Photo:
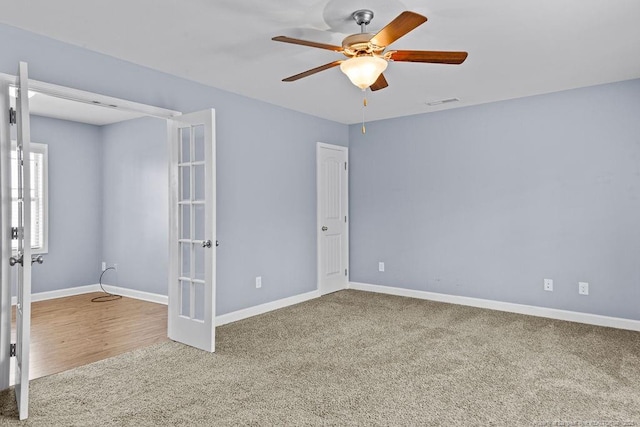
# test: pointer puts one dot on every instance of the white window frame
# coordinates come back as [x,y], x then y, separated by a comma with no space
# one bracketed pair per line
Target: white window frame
[44,150]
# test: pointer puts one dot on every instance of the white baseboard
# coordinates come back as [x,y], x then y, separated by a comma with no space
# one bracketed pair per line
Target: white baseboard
[132,293]
[551,313]
[163,299]
[234,316]
[78,290]
[60,293]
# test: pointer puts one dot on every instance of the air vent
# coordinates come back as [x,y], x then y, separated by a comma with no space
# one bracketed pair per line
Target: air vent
[442,101]
[105,105]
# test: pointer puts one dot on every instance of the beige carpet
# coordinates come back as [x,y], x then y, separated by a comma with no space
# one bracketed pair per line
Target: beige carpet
[355,358]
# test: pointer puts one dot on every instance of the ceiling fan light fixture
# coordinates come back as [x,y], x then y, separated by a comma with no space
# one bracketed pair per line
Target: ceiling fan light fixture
[363,71]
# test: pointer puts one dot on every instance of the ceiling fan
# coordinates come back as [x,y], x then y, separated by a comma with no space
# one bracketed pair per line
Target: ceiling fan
[366,54]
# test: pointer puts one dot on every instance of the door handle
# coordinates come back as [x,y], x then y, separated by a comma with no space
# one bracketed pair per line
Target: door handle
[324,228]
[13,260]
[206,244]
[37,258]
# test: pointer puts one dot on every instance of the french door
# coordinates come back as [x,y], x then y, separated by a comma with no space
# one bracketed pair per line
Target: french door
[21,260]
[192,272]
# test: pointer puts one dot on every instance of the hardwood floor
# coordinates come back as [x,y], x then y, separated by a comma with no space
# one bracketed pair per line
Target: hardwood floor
[73,331]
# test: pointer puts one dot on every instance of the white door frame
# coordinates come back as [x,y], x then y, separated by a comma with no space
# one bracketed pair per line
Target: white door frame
[319,220]
[5,237]
[7,80]
[93,98]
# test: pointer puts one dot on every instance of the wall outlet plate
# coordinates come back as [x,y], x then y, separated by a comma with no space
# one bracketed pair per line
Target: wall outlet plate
[548,285]
[104,266]
[583,288]
[258,282]
[381,266]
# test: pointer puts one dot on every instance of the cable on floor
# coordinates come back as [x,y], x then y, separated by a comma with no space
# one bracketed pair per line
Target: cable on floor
[108,297]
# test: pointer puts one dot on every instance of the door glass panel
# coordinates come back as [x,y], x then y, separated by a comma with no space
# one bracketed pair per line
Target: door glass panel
[185,268]
[198,143]
[185,298]
[198,265]
[198,182]
[198,222]
[185,145]
[185,220]
[198,309]
[185,183]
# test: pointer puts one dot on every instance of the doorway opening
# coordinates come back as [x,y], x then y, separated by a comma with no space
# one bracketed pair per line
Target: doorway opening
[165,238]
[99,214]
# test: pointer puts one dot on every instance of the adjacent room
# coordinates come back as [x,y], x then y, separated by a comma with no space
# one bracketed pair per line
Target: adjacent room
[92,218]
[438,226]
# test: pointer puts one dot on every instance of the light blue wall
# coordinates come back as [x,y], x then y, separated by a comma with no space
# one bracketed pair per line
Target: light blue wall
[108,201]
[267,204]
[135,204]
[482,201]
[487,201]
[265,161]
[75,204]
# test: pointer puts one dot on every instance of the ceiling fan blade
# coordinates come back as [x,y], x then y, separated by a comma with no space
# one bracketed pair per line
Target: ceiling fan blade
[286,39]
[381,83]
[434,57]
[397,28]
[312,71]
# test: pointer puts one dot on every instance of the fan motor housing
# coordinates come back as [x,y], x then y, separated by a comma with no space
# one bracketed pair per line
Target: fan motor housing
[358,44]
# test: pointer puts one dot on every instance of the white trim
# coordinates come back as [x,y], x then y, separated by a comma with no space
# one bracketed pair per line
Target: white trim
[223,319]
[93,98]
[319,221]
[234,316]
[531,310]
[79,290]
[5,237]
[135,294]
[60,293]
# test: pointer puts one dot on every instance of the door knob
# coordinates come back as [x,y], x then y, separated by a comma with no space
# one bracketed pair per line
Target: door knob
[37,258]
[206,244]
[324,228]
[13,260]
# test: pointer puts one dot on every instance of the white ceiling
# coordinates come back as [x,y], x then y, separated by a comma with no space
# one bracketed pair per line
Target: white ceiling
[516,47]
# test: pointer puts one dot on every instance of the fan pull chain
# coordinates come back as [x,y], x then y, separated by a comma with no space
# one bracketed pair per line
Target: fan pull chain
[364,104]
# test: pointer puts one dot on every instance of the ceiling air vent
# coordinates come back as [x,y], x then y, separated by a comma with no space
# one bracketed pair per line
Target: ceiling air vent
[442,101]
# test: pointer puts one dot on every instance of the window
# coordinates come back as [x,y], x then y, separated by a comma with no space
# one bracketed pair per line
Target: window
[39,197]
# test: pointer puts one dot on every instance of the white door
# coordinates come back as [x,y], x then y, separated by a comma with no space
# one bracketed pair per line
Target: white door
[192,272]
[333,208]
[22,260]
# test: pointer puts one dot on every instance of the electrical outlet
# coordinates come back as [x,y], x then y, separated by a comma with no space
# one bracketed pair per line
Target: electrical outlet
[381,266]
[258,282]
[548,285]
[583,288]
[104,266]
[115,267]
